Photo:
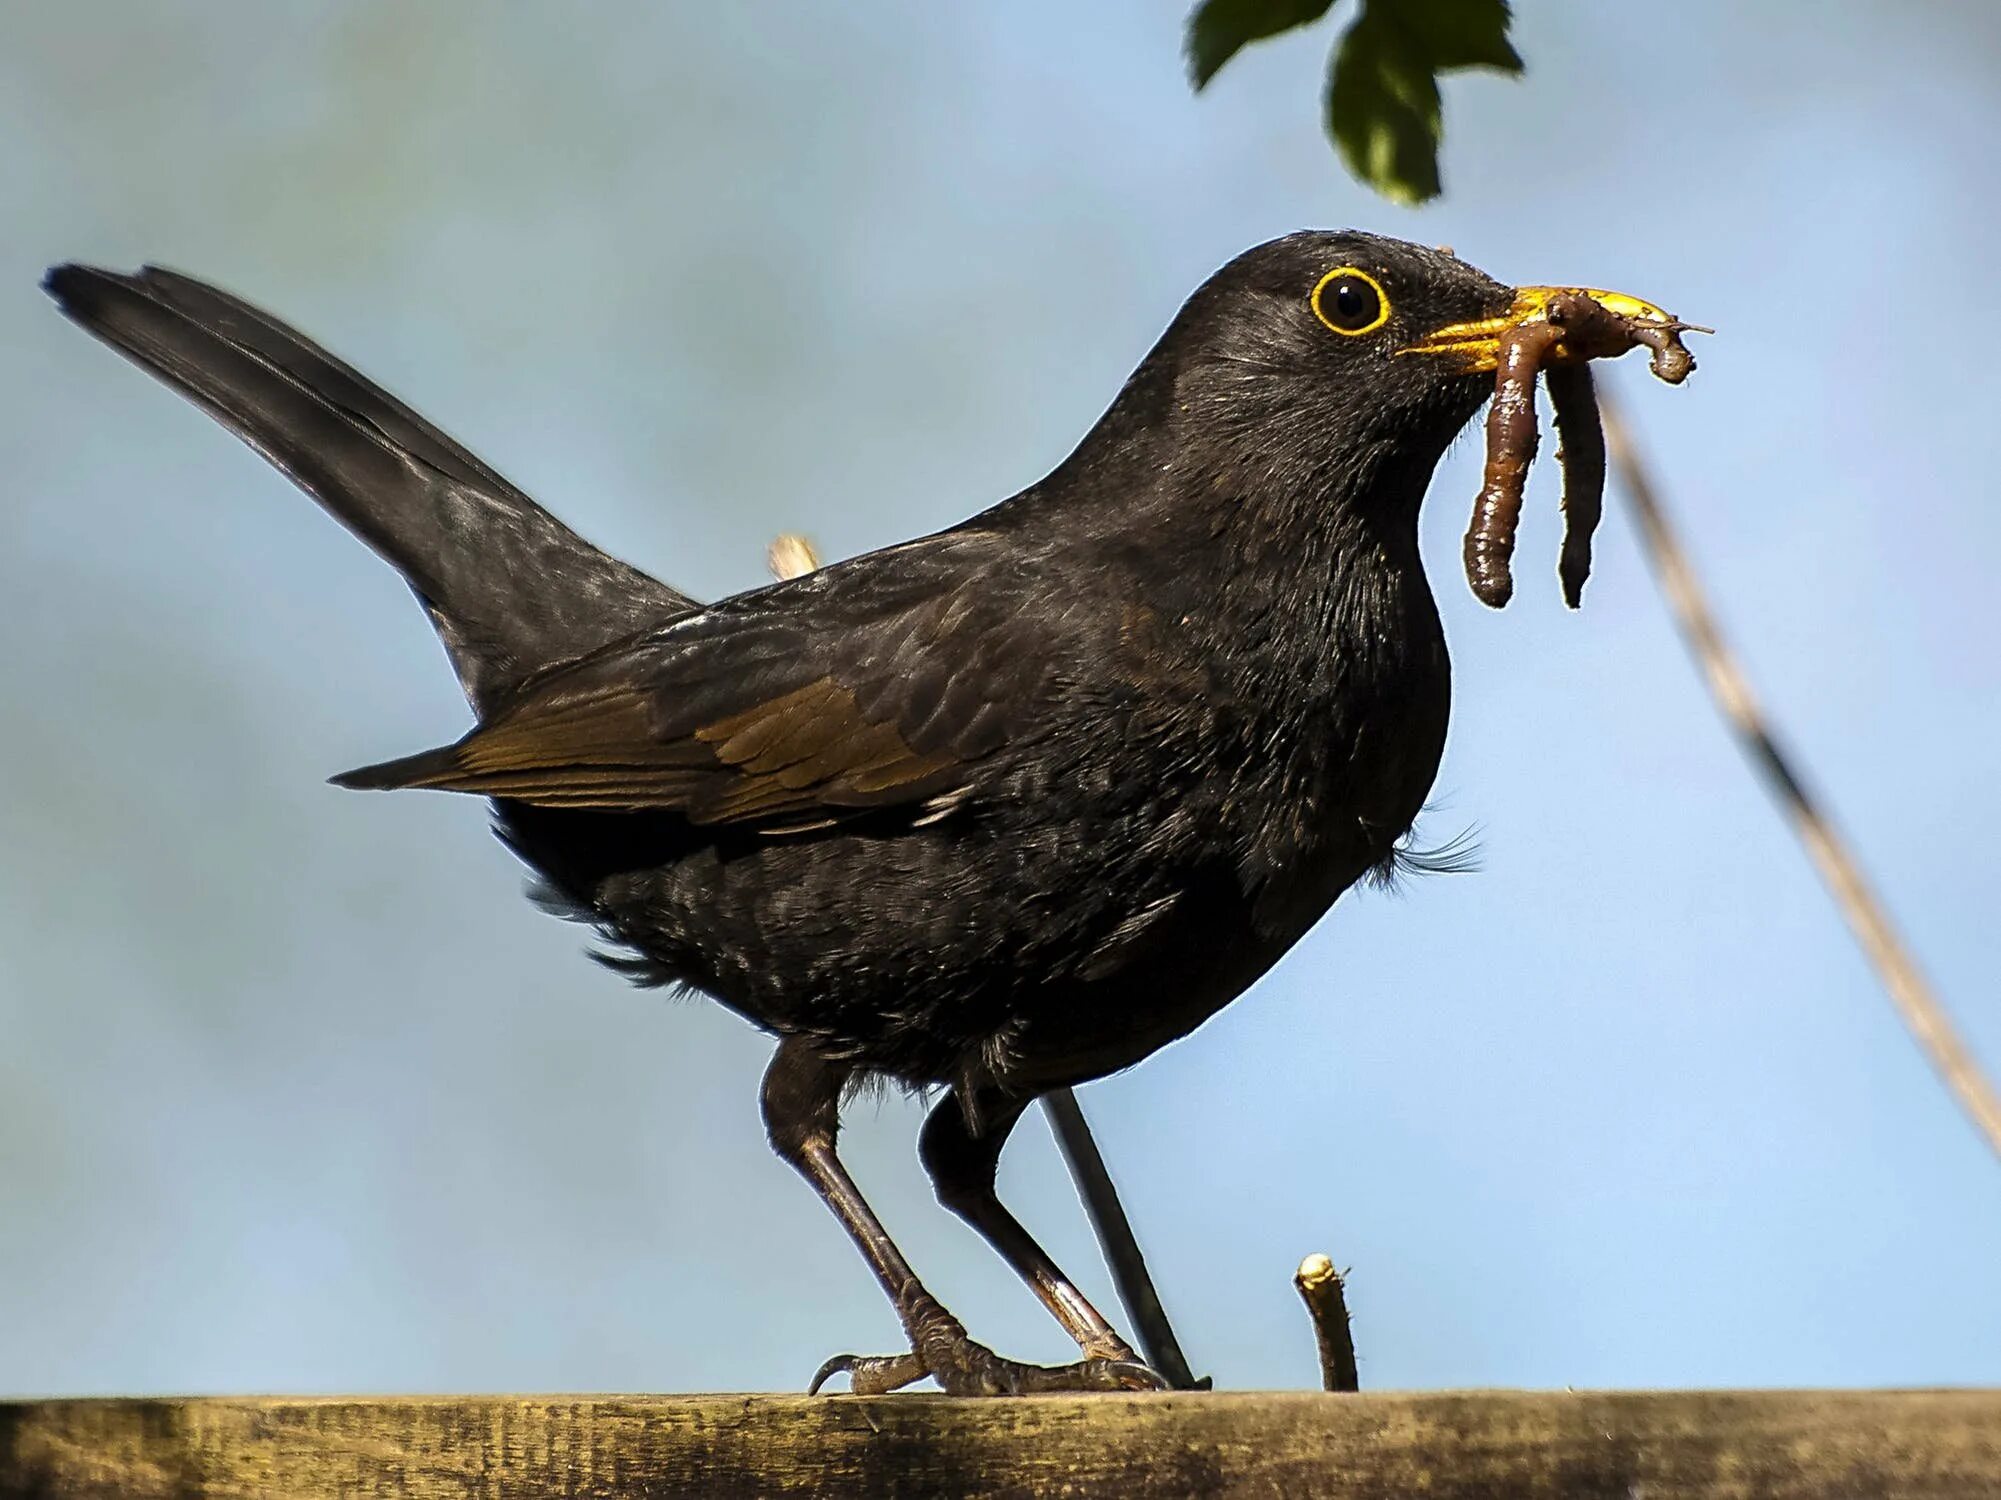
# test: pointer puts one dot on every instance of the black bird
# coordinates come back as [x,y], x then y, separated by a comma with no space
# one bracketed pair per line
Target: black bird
[999,810]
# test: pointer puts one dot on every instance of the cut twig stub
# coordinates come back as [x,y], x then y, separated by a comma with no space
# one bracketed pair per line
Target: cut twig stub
[791,555]
[1320,1288]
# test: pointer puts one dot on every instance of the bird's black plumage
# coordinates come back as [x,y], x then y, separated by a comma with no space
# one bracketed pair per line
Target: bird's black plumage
[1001,809]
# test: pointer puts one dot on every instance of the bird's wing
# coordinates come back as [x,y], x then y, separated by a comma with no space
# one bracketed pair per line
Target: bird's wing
[887,681]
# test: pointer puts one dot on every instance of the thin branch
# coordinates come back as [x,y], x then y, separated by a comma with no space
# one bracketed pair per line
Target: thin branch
[1913,996]
[1326,1300]
[1116,1240]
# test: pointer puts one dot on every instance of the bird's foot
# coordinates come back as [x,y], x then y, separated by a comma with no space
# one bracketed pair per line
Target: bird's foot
[964,1368]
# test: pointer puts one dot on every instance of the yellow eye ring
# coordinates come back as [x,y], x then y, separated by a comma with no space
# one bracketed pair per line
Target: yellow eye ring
[1371,314]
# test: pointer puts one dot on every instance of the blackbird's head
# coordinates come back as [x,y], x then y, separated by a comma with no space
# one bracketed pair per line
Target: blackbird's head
[1336,359]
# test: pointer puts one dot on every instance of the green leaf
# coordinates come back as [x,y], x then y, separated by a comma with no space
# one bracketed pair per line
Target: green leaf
[1383,109]
[1460,33]
[1219,29]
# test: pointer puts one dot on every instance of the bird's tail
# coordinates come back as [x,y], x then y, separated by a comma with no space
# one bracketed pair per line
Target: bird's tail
[510,589]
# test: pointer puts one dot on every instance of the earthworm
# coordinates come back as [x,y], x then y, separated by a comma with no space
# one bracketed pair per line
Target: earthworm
[1581,455]
[1575,327]
[1511,445]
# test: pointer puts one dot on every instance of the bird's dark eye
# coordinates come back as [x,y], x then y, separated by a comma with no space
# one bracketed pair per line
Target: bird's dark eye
[1351,301]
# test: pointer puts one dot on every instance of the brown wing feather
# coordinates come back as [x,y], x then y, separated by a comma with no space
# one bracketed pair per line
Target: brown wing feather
[882,682]
[807,749]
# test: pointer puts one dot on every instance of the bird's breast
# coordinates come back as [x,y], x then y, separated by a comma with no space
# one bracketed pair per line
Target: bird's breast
[1344,726]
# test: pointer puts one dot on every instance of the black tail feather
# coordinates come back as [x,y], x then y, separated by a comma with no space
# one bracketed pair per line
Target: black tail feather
[511,590]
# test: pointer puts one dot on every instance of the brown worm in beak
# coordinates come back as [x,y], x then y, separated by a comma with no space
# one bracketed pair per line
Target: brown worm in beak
[1575,328]
[1580,454]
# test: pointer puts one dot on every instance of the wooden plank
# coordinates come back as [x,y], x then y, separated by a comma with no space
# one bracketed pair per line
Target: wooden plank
[1444,1446]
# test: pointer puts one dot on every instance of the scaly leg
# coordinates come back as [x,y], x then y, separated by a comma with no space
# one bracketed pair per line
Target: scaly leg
[962,1160]
[801,1115]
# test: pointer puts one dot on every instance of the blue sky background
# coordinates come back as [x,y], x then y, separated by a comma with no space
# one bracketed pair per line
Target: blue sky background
[296,1094]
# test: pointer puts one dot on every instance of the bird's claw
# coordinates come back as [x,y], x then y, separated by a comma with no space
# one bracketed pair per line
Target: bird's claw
[871,1374]
[970,1369]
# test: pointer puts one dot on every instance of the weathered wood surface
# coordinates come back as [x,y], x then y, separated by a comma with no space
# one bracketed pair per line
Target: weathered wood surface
[1445,1446]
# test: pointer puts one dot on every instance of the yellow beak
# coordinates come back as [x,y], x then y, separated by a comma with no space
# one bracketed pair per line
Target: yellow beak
[1477,345]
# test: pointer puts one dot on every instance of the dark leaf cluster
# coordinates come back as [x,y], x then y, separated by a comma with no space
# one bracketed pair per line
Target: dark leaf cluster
[1382,105]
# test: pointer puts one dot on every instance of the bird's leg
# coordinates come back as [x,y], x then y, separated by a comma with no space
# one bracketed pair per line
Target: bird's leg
[962,1159]
[801,1115]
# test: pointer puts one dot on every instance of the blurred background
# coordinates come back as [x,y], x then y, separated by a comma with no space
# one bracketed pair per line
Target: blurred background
[296,1094]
